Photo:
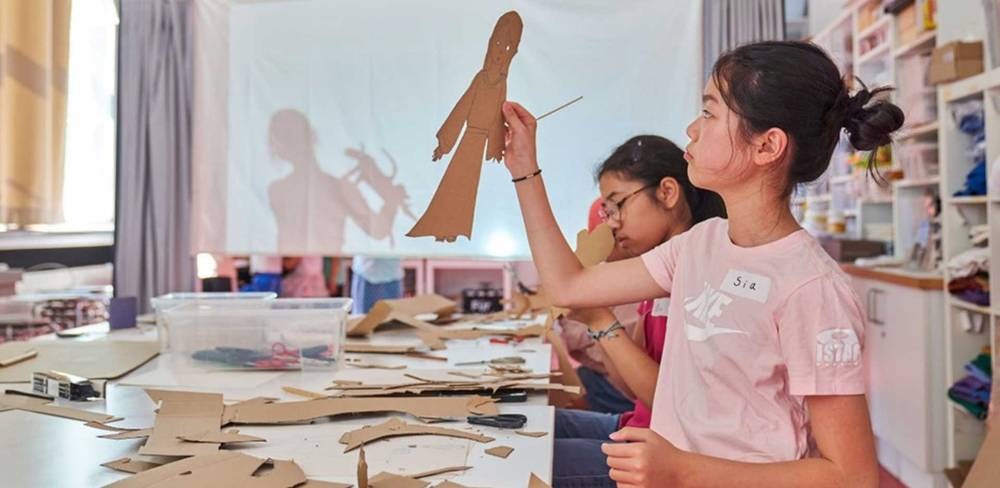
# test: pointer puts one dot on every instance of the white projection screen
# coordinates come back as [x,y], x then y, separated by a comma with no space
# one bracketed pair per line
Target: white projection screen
[306,111]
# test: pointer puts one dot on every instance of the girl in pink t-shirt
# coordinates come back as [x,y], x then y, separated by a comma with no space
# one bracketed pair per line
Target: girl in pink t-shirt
[646,200]
[762,378]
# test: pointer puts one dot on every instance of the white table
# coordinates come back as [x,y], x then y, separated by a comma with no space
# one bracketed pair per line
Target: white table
[41,451]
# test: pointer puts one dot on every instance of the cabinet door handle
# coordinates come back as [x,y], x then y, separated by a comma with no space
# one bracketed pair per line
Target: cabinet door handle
[875,318]
[868,305]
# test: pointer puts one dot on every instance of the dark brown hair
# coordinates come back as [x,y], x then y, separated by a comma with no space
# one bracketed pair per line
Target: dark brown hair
[796,87]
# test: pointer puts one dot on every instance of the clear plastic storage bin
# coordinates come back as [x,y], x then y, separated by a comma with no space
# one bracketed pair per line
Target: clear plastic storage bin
[293,333]
[170,300]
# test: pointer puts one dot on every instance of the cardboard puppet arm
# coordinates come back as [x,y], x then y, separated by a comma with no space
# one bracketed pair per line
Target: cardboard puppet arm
[447,135]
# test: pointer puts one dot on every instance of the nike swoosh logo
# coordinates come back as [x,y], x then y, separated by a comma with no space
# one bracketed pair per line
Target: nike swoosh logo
[702,334]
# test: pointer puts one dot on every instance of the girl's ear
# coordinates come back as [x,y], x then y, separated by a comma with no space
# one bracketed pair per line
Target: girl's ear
[769,147]
[669,192]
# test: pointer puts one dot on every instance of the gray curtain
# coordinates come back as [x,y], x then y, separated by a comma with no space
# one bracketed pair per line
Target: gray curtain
[152,231]
[731,23]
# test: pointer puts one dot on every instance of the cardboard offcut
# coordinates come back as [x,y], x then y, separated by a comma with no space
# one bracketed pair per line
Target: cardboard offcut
[130,465]
[262,412]
[500,451]
[94,360]
[223,468]
[13,400]
[395,427]
[184,414]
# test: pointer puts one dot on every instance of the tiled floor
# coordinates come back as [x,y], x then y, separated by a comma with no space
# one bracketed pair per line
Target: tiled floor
[886,480]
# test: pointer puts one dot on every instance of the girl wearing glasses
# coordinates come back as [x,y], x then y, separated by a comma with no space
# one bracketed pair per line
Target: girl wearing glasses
[762,380]
[646,200]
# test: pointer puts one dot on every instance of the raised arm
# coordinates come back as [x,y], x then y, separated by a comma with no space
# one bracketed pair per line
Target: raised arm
[565,280]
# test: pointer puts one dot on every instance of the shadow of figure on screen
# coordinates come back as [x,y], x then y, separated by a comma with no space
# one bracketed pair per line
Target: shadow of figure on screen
[453,205]
[312,206]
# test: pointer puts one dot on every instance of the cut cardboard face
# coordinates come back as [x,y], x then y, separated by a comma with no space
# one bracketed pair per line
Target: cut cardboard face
[218,469]
[302,411]
[95,360]
[395,427]
[32,403]
[451,209]
[184,414]
[404,310]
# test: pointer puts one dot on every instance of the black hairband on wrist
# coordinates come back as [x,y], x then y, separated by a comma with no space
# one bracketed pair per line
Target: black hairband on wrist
[532,175]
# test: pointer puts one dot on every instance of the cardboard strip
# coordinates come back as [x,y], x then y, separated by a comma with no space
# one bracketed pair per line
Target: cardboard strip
[531,434]
[227,437]
[17,358]
[128,434]
[225,468]
[303,393]
[31,403]
[109,428]
[302,411]
[130,465]
[395,427]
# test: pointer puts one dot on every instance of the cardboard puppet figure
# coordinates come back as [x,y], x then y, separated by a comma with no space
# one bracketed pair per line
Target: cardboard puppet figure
[451,210]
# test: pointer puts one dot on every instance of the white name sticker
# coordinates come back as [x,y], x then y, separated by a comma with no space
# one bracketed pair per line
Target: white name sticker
[747,285]
[660,307]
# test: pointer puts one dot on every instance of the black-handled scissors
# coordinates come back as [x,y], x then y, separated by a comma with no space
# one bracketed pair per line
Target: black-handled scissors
[503,421]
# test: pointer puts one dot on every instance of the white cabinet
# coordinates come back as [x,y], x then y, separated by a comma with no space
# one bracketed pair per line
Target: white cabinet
[905,349]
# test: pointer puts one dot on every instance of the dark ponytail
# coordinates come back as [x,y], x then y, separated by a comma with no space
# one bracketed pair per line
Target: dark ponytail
[796,87]
[648,159]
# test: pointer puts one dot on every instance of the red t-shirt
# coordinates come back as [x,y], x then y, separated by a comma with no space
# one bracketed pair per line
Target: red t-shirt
[655,331]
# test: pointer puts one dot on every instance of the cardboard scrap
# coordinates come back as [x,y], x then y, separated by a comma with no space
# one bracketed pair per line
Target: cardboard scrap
[323,484]
[17,358]
[227,437]
[183,414]
[302,411]
[423,386]
[109,428]
[385,311]
[303,393]
[395,427]
[16,400]
[95,360]
[450,211]
[128,434]
[223,468]
[535,482]
[389,480]
[531,434]
[437,471]
[130,465]
[500,451]
[363,347]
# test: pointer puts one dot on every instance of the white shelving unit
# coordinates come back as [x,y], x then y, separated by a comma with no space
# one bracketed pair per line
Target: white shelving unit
[892,213]
[965,433]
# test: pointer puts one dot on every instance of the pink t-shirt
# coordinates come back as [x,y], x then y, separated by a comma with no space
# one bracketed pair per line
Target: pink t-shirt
[754,331]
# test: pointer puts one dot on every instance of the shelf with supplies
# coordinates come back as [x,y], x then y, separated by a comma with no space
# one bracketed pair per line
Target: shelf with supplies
[917,182]
[970,200]
[970,307]
[923,40]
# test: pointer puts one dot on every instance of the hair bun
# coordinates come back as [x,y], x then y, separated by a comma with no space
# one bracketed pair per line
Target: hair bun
[870,124]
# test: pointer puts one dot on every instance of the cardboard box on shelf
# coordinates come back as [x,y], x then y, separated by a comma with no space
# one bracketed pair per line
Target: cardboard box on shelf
[956,60]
